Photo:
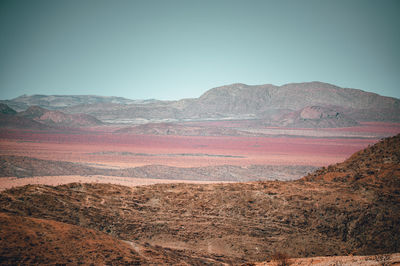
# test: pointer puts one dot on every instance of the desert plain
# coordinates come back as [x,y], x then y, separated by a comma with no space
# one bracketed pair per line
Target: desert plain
[100,147]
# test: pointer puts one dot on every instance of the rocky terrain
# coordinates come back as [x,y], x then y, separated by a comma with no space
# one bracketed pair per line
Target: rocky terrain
[22,166]
[374,166]
[348,208]
[236,133]
[9,119]
[49,242]
[337,106]
[57,118]
[182,130]
[38,118]
[313,117]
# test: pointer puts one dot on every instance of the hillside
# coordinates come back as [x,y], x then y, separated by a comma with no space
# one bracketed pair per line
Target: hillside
[9,119]
[57,118]
[50,242]
[241,222]
[36,117]
[378,165]
[313,117]
[259,100]
[45,241]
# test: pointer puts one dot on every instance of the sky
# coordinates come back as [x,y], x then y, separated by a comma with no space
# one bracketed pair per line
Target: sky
[173,49]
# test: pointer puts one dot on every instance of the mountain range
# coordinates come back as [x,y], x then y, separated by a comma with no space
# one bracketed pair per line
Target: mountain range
[311,104]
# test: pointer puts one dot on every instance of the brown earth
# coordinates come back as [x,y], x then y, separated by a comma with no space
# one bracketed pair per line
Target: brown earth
[238,222]
[50,242]
[376,260]
[249,222]
[43,241]
[378,165]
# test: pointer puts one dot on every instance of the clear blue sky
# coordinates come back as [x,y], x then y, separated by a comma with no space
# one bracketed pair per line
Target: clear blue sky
[178,49]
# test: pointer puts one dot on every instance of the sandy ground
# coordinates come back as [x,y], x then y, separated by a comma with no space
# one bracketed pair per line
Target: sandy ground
[10,182]
[389,259]
[240,151]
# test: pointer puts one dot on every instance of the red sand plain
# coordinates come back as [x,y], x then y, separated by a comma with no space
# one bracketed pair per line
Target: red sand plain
[384,128]
[79,146]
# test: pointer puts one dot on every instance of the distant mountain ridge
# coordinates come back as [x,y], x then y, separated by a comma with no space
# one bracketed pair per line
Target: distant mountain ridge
[235,101]
[256,100]
[36,117]
[53,102]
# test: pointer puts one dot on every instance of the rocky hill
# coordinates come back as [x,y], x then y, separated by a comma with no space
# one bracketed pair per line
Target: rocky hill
[57,118]
[241,99]
[378,165]
[236,101]
[36,117]
[327,213]
[294,96]
[313,117]
[10,119]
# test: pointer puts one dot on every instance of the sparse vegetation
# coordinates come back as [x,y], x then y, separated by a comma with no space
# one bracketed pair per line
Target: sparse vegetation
[282,259]
[383,259]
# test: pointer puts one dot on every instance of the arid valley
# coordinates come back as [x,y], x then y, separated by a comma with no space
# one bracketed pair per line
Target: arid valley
[229,132]
[211,180]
